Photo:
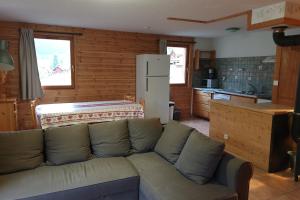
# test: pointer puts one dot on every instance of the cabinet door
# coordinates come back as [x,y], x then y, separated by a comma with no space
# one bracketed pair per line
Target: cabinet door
[201,104]
[7,116]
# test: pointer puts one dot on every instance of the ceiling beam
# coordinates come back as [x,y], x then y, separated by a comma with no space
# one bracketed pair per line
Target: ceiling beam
[211,21]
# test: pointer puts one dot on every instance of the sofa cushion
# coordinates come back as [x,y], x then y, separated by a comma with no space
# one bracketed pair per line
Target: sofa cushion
[67,144]
[200,157]
[20,150]
[93,179]
[172,140]
[160,180]
[110,138]
[144,134]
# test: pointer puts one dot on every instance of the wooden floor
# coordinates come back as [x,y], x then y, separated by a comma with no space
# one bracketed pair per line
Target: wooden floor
[263,186]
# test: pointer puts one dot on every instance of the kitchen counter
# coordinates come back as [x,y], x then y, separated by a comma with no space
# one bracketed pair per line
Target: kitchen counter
[267,108]
[221,91]
[258,133]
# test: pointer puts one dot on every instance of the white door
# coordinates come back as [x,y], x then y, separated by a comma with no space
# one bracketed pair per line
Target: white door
[157,65]
[157,98]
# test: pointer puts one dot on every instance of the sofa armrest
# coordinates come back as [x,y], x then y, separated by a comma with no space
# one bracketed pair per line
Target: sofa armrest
[235,174]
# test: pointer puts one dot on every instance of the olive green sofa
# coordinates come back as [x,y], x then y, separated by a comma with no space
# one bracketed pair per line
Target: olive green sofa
[121,160]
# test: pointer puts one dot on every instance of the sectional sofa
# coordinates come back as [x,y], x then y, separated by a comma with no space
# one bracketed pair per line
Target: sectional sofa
[121,160]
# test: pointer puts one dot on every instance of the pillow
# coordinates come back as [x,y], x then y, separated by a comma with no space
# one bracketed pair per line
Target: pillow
[20,150]
[110,138]
[200,157]
[67,144]
[144,134]
[172,140]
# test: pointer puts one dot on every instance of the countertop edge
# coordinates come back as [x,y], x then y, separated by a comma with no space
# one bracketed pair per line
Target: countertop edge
[230,93]
[267,108]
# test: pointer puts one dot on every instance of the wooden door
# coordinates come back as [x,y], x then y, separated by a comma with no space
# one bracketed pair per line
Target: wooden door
[286,73]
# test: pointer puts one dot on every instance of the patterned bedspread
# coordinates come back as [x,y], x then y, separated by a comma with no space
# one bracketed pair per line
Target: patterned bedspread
[50,115]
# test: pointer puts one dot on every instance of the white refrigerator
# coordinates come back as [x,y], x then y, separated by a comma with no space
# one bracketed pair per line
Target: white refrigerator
[152,85]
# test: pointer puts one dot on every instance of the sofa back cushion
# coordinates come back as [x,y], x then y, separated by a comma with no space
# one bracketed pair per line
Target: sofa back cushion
[20,150]
[110,138]
[67,144]
[200,157]
[172,140]
[144,134]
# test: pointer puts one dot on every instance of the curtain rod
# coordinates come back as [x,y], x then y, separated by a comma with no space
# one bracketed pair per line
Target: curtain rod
[54,32]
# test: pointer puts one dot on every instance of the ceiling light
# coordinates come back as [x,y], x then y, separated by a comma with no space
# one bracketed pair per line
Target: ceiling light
[233,29]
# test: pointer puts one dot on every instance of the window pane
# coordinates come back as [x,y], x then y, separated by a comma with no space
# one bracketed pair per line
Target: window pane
[54,61]
[177,65]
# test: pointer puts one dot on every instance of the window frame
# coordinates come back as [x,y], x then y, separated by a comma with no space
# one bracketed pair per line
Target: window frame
[72,59]
[186,63]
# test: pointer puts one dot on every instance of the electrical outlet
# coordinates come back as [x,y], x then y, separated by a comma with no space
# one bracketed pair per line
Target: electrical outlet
[226,136]
[236,77]
[275,83]
[249,78]
[260,67]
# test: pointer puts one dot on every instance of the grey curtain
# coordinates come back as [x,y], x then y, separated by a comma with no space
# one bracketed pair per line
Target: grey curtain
[163,46]
[30,80]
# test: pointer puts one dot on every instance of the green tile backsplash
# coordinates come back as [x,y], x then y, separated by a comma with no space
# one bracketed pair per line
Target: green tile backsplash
[235,74]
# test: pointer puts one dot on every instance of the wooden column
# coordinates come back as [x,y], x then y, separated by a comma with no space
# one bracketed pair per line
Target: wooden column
[286,75]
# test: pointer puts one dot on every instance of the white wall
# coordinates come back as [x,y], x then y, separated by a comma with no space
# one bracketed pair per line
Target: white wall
[247,44]
[205,44]
[244,44]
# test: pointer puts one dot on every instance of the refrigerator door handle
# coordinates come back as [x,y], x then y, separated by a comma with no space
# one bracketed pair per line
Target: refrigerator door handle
[146,84]
[147,68]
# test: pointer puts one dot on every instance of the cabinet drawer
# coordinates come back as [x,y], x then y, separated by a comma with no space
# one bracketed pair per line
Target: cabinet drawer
[197,92]
[201,113]
[205,107]
[202,97]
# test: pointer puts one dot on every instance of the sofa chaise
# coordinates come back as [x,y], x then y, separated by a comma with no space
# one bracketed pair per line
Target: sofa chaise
[121,160]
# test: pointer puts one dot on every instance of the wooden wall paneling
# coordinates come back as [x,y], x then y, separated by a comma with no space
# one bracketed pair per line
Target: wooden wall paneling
[104,66]
[276,74]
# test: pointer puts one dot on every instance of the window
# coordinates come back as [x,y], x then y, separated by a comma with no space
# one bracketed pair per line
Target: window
[177,64]
[54,57]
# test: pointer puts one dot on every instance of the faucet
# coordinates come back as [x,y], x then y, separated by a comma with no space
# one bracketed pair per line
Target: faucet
[254,89]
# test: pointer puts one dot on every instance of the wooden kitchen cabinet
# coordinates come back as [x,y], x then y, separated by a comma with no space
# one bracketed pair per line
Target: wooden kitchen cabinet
[201,104]
[8,114]
[204,59]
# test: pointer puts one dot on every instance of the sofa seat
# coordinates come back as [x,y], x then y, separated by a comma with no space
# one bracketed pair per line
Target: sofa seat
[99,178]
[159,180]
